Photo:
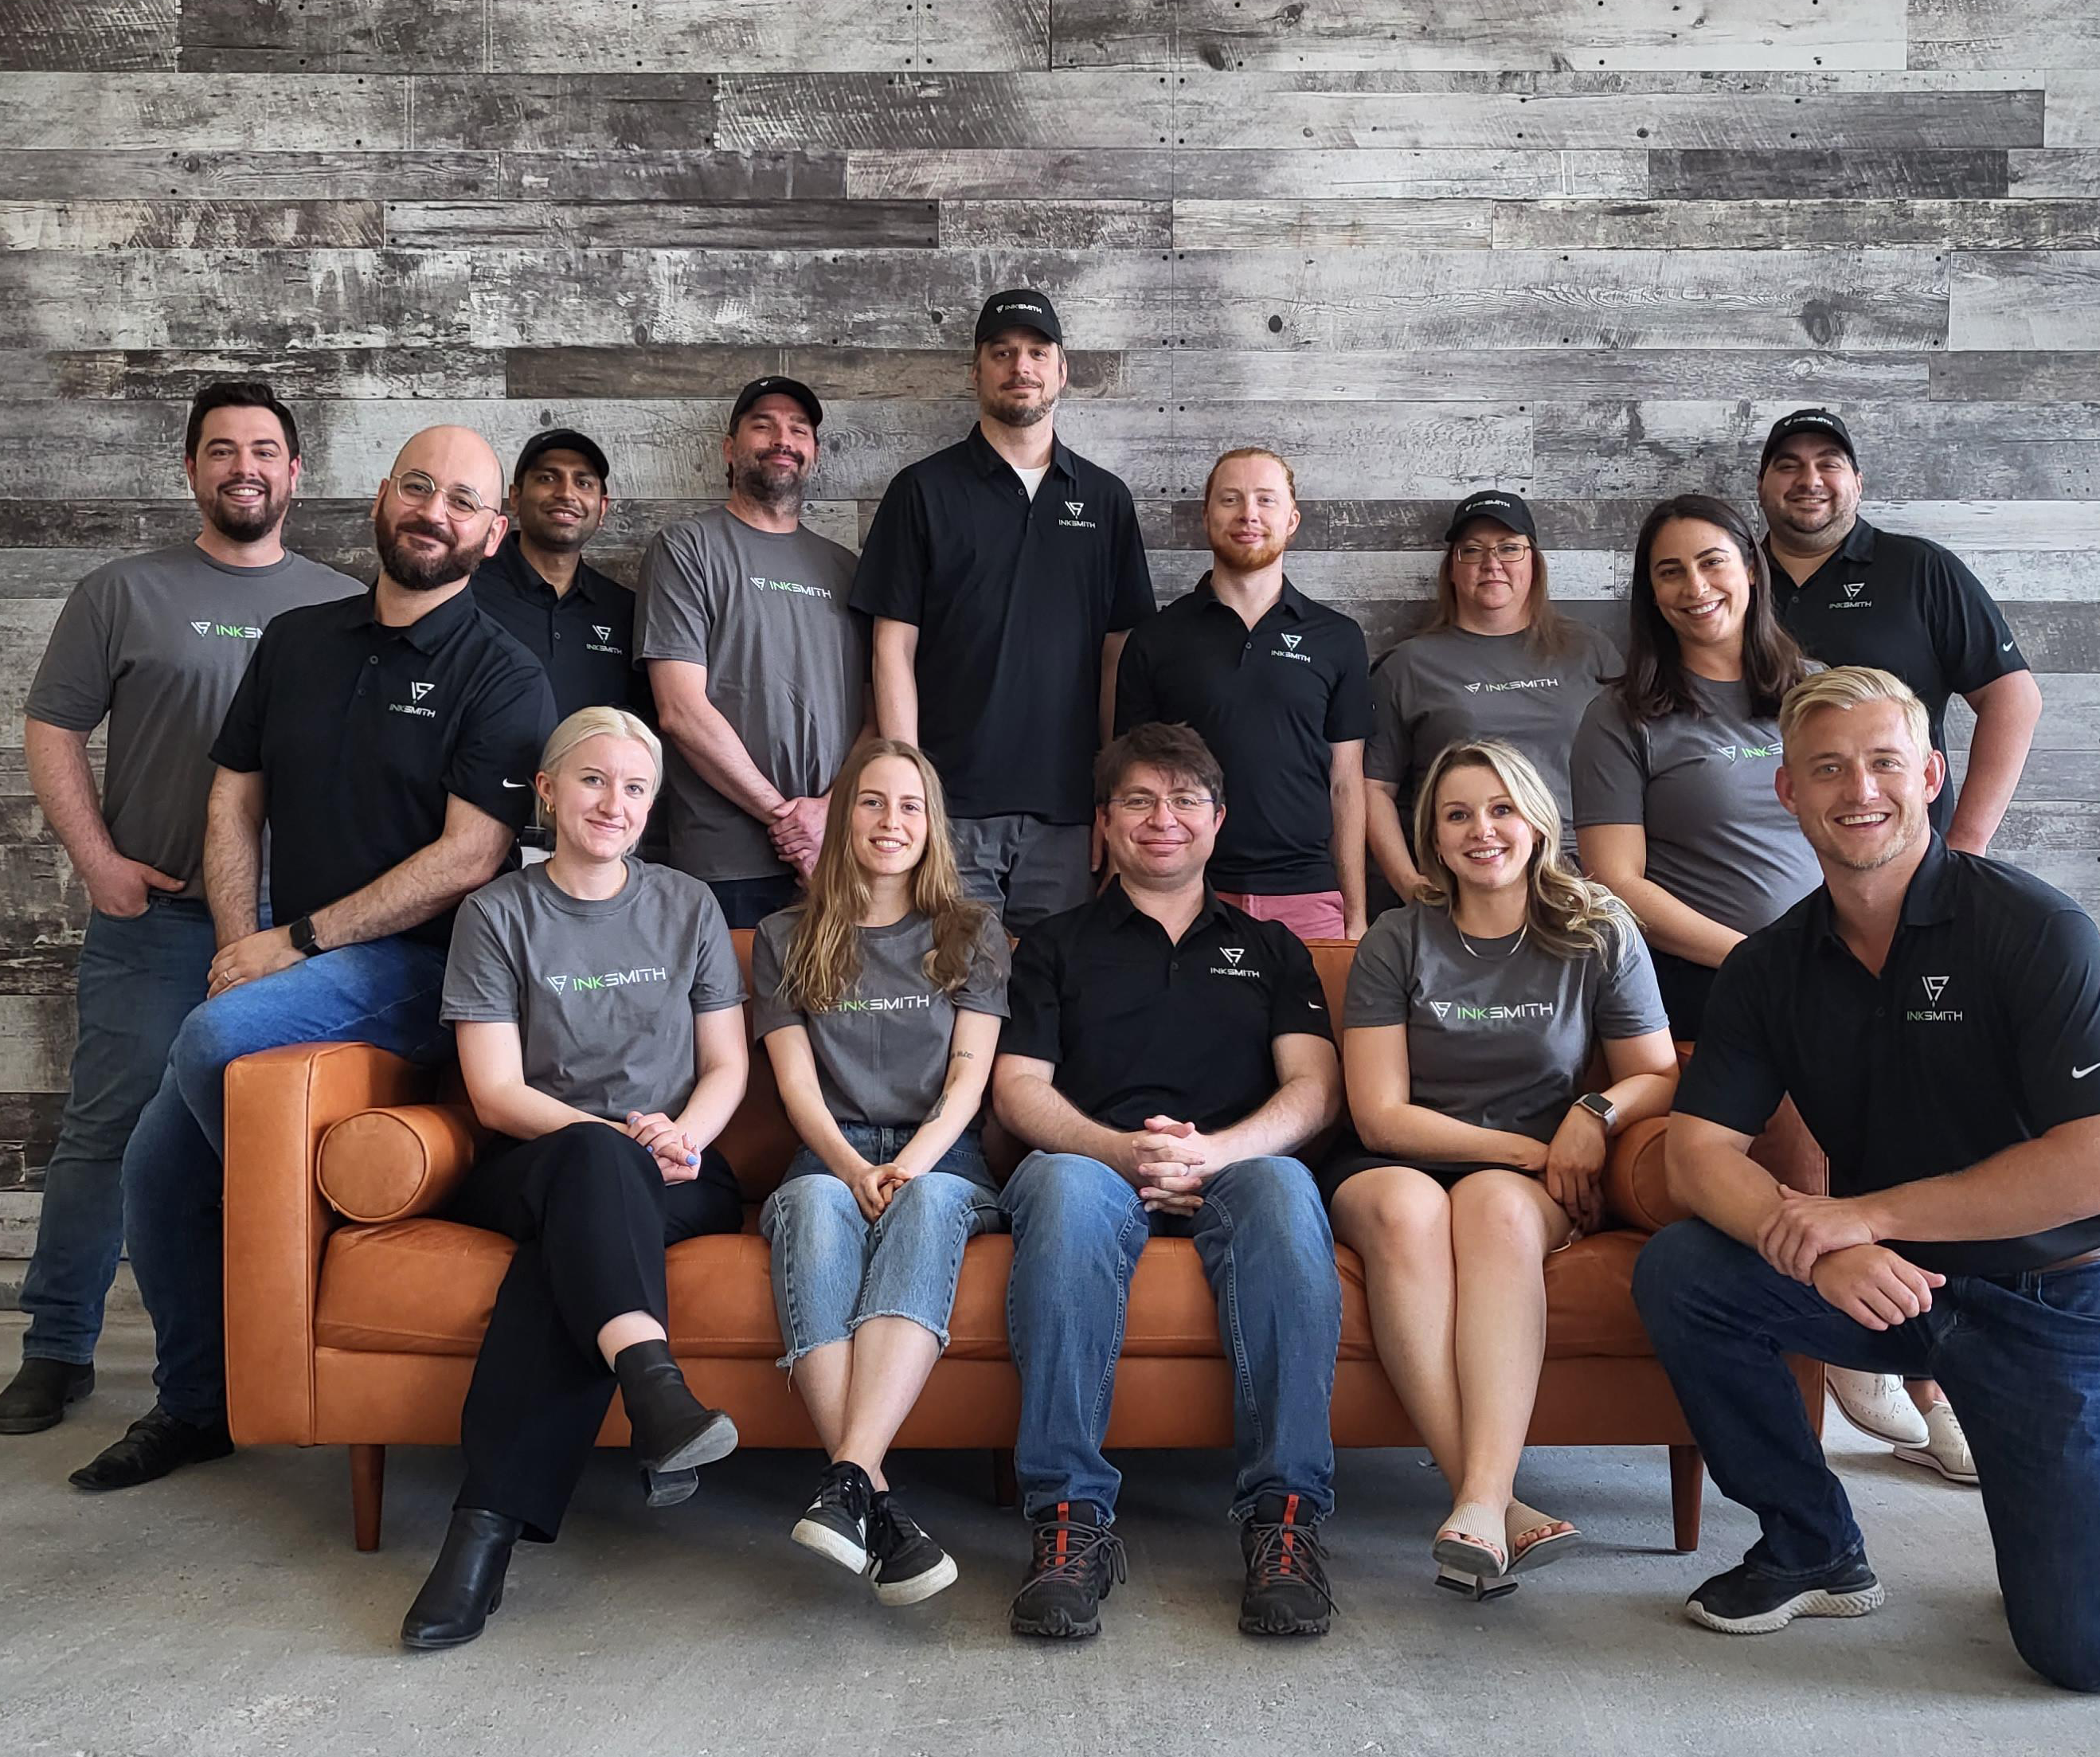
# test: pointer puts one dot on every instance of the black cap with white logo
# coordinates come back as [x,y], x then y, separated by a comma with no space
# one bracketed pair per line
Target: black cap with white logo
[561,439]
[1019,309]
[747,398]
[1807,421]
[1498,504]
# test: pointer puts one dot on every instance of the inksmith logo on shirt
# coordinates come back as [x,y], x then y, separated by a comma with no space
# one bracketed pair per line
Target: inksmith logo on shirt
[603,644]
[885,1003]
[1291,642]
[1076,523]
[1748,752]
[416,692]
[1492,1015]
[1231,954]
[1932,1013]
[1853,601]
[562,984]
[794,586]
[1520,684]
[230,631]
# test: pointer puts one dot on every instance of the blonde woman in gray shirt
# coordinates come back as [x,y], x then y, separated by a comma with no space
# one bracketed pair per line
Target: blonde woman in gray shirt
[1471,1016]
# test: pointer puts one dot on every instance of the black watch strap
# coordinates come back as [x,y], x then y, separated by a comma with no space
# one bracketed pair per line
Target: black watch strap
[303,939]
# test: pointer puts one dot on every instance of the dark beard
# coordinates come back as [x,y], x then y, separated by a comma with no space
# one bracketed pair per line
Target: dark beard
[756,483]
[414,572]
[1021,414]
[243,524]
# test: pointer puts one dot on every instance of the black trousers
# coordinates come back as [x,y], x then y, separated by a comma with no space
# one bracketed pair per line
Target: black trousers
[592,1216]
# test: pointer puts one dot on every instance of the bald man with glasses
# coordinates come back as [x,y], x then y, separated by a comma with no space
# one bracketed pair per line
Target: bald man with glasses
[387,743]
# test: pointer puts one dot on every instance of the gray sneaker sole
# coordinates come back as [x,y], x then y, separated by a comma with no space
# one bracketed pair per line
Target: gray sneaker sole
[1815,1604]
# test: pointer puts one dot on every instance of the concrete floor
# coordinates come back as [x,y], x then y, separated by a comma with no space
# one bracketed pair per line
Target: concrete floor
[224,1612]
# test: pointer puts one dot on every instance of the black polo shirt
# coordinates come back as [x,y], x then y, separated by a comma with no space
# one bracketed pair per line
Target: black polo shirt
[361,732]
[1909,606]
[1140,1026]
[583,636]
[1013,598]
[1271,702]
[1981,1030]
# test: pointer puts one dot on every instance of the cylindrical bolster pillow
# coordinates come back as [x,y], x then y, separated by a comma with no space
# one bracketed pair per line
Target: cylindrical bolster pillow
[1636,1188]
[394,1164]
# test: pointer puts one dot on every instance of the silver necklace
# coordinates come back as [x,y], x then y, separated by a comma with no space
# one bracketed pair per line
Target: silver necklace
[1505,956]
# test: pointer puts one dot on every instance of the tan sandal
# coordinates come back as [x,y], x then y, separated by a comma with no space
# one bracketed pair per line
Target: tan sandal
[1466,1552]
[1536,1538]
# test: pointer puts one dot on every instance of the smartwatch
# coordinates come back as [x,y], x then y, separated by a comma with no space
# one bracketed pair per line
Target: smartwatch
[305,944]
[1594,1103]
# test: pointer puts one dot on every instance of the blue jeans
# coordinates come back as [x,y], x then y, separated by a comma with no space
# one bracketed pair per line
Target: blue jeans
[140,976]
[2018,1357]
[1262,1234]
[832,1271]
[385,993]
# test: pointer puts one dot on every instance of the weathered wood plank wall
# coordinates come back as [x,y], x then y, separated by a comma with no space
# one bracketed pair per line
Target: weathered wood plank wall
[1587,248]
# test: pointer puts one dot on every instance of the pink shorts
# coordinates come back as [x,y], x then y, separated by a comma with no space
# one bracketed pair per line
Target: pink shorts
[1310,914]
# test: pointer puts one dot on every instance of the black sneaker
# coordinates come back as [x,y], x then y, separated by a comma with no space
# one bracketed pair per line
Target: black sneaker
[1077,1560]
[1286,1571]
[835,1524]
[904,1563]
[1747,1601]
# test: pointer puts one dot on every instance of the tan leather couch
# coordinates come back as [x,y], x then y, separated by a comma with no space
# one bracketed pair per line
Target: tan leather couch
[353,1314]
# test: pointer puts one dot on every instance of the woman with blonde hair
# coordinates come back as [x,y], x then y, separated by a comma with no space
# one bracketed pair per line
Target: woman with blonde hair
[598,1012]
[1471,1017]
[878,999]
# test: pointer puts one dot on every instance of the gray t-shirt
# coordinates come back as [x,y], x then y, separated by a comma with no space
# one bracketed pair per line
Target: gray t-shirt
[1448,684]
[787,667]
[1700,786]
[604,993]
[882,1054]
[1500,1036]
[158,643]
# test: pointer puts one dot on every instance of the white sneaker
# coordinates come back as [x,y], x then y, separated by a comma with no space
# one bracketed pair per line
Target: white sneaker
[1876,1404]
[1946,1448]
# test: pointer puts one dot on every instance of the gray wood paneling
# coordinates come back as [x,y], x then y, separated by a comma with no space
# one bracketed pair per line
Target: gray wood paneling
[1585,249]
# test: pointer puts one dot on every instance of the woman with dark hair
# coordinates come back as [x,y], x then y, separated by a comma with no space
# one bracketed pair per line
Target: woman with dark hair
[880,997]
[1495,660]
[1674,806]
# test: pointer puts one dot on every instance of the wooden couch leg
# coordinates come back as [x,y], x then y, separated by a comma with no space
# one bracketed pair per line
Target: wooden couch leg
[367,1490]
[1688,1486]
[1005,1491]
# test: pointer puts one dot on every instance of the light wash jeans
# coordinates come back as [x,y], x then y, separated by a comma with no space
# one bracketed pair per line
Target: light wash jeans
[832,1271]
[385,992]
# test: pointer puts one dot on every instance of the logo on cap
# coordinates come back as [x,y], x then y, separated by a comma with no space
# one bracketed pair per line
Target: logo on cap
[417,691]
[1017,305]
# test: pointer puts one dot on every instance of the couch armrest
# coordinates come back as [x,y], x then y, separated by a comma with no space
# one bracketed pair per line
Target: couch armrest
[393,1165]
[1636,1188]
[279,1104]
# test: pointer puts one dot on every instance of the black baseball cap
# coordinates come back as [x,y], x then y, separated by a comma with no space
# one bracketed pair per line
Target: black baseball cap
[1807,421]
[1498,504]
[747,398]
[561,439]
[1019,309]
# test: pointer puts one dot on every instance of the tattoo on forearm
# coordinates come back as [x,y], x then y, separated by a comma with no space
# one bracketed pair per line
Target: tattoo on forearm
[962,1055]
[939,1104]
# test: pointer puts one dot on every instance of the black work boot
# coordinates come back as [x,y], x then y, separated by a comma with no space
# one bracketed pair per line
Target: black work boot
[673,1430]
[1286,1571]
[467,1582]
[1077,1559]
[37,1396]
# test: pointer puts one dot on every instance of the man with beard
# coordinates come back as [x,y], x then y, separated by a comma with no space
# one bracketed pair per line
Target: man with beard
[1854,595]
[1936,1017]
[999,615]
[1279,689]
[759,668]
[155,644]
[386,743]
[577,622]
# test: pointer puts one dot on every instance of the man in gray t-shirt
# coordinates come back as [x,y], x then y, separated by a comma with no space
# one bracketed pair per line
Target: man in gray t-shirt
[155,645]
[603,990]
[760,670]
[882,1053]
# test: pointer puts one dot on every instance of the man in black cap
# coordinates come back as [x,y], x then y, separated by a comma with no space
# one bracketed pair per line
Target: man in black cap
[1853,595]
[1000,614]
[759,669]
[579,622]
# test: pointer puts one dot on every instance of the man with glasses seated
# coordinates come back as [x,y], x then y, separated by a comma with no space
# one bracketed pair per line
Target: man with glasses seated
[1167,1055]
[386,743]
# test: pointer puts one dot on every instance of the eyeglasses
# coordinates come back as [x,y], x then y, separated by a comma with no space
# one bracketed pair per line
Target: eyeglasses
[415,489]
[1508,553]
[1144,805]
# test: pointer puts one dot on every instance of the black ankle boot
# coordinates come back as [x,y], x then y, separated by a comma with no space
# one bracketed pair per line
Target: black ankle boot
[673,1430]
[467,1582]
